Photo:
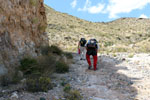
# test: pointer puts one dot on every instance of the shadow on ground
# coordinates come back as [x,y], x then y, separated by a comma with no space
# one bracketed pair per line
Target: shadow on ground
[109,70]
[108,77]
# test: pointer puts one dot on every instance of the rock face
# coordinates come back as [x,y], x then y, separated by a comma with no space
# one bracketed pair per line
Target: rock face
[22,26]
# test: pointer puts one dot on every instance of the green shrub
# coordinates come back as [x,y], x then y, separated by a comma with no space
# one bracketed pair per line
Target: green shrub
[28,66]
[16,77]
[68,55]
[42,28]
[56,50]
[45,50]
[41,84]
[74,95]
[106,44]
[61,67]
[10,78]
[46,64]
[35,20]
[72,26]
[131,55]
[63,83]
[5,80]
[33,2]
[51,49]
[120,49]
[67,88]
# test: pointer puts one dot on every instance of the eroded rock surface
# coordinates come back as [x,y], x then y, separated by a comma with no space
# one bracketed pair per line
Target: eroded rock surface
[22,26]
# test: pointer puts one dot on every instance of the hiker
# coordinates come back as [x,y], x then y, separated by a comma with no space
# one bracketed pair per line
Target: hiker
[92,49]
[81,48]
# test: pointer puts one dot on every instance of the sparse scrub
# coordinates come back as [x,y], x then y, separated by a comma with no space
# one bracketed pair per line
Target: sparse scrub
[42,27]
[28,66]
[33,2]
[63,83]
[120,49]
[35,20]
[46,64]
[5,80]
[68,55]
[72,26]
[67,88]
[73,95]
[61,67]
[51,49]
[38,70]
[42,84]
[118,32]
[106,44]
[131,55]
[10,78]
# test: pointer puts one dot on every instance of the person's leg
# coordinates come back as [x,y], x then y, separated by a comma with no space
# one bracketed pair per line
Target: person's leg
[84,52]
[81,53]
[95,61]
[88,60]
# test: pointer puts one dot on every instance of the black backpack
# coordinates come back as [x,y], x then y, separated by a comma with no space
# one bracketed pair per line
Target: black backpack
[92,44]
[82,42]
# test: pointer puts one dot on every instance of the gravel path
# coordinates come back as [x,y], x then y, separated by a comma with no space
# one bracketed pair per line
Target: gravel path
[117,78]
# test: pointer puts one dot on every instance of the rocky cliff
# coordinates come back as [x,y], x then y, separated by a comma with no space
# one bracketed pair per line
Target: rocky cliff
[22,26]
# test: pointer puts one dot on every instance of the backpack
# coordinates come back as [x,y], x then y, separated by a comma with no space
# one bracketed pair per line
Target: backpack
[82,42]
[92,44]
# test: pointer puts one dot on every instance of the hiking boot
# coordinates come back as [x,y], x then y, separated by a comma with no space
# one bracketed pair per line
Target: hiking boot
[89,67]
[80,58]
[95,69]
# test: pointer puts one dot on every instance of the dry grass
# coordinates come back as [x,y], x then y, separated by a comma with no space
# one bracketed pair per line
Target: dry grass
[124,31]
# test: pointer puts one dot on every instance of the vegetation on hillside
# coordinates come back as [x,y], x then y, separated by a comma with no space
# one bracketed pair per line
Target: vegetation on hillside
[121,35]
[37,71]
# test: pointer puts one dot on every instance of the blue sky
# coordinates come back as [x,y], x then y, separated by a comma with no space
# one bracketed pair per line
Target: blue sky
[102,10]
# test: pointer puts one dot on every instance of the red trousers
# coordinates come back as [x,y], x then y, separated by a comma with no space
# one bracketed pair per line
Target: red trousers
[89,61]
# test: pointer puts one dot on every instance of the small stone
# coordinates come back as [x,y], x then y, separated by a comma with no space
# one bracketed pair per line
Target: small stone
[14,95]
[42,98]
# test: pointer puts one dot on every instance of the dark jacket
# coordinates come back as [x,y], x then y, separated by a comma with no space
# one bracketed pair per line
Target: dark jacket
[91,50]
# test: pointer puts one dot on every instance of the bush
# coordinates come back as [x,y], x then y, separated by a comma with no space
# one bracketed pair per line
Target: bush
[106,44]
[46,64]
[10,78]
[41,84]
[42,28]
[33,2]
[67,88]
[28,66]
[35,20]
[5,80]
[73,95]
[61,67]
[131,55]
[68,55]
[51,49]
[120,49]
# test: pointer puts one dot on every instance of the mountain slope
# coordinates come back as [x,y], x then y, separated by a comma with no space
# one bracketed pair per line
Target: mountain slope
[121,35]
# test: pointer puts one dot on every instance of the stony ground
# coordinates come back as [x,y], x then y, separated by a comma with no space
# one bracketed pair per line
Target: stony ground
[118,78]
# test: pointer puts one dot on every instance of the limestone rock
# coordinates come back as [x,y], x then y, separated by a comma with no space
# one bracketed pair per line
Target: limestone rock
[22,26]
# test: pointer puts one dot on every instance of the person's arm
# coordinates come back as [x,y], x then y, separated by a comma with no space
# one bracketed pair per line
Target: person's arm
[86,46]
[78,45]
[97,48]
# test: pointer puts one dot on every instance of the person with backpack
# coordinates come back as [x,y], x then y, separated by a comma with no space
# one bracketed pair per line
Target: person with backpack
[92,49]
[81,48]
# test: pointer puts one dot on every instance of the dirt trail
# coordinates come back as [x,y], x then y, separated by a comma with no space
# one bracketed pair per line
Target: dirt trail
[117,78]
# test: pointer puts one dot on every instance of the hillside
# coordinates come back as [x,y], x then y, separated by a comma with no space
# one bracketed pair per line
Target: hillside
[121,35]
